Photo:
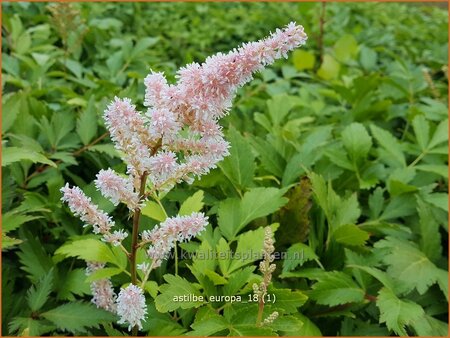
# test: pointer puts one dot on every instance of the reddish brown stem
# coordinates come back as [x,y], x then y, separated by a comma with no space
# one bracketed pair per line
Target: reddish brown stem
[134,240]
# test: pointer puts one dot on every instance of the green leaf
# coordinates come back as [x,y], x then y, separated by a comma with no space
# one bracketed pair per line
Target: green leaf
[335,288]
[442,279]
[223,256]
[297,255]
[376,202]
[345,48]
[440,135]
[439,199]
[270,159]
[422,131]
[14,154]
[153,210]
[303,59]
[429,326]
[33,257]
[74,284]
[27,326]
[204,258]
[87,122]
[37,295]
[11,106]
[441,170]
[246,330]
[237,280]
[192,204]
[152,288]
[215,277]
[249,249]
[338,211]
[382,276]
[76,317]
[390,144]
[142,45]
[176,287]
[103,273]
[329,69]
[89,250]
[368,58]
[287,324]
[309,329]
[229,217]
[287,299]
[408,264]
[350,234]
[14,219]
[8,242]
[399,206]
[259,202]
[234,214]
[239,167]
[357,141]
[279,107]
[397,313]
[430,241]
[209,326]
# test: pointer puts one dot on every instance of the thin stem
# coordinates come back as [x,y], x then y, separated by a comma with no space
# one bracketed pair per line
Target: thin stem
[260,312]
[160,204]
[134,240]
[147,274]
[418,158]
[86,147]
[124,250]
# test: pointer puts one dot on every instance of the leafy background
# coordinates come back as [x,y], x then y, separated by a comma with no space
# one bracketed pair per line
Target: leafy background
[342,148]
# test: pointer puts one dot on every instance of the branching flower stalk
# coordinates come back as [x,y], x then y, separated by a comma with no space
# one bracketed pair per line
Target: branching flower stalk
[267,267]
[177,140]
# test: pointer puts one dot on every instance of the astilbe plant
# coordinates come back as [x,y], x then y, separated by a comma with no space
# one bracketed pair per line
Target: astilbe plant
[177,139]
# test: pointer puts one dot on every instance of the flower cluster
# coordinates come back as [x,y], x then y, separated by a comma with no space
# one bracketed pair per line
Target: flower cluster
[164,236]
[117,189]
[179,137]
[131,306]
[267,268]
[103,294]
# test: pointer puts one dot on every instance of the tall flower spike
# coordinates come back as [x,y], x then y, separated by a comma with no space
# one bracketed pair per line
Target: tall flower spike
[209,88]
[131,137]
[267,269]
[116,188]
[103,295]
[131,306]
[88,212]
[164,236]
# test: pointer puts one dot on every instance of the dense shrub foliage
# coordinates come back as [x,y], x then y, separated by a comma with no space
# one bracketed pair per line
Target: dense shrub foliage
[341,150]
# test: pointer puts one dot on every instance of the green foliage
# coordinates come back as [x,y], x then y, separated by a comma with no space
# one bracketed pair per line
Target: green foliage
[177,286]
[37,296]
[342,148]
[397,313]
[77,316]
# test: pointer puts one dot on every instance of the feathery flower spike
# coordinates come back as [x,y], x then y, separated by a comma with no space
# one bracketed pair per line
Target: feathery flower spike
[131,306]
[103,295]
